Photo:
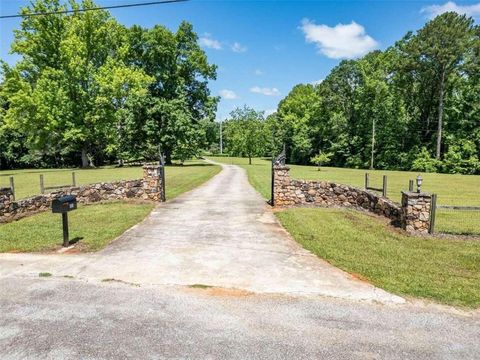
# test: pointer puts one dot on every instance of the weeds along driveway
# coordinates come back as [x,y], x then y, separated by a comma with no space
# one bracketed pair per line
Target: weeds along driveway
[219,234]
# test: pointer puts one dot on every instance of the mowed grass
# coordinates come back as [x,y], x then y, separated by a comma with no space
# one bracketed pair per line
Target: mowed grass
[452,189]
[94,226]
[443,270]
[179,178]
[97,224]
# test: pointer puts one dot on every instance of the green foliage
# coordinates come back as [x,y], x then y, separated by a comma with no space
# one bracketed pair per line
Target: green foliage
[88,88]
[420,93]
[425,162]
[244,133]
[321,158]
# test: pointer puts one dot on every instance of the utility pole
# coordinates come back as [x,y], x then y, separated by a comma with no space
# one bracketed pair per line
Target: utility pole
[373,143]
[221,139]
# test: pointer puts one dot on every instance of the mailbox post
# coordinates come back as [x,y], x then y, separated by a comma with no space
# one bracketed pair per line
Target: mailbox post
[63,205]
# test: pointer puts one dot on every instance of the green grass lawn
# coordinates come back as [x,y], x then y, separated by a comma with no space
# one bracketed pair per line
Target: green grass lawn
[444,270]
[95,224]
[451,189]
[27,182]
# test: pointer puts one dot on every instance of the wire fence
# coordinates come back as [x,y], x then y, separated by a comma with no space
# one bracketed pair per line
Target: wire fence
[455,219]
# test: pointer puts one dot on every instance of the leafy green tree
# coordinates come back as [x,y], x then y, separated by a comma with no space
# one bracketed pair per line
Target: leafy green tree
[245,133]
[321,158]
[69,89]
[439,49]
[296,124]
[180,105]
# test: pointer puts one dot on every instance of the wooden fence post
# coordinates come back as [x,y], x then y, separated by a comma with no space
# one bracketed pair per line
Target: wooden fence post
[74,180]
[410,185]
[42,185]
[384,187]
[12,187]
[433,212]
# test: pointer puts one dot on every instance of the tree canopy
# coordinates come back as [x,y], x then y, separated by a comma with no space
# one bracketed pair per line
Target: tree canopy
[415,105]
[87,89]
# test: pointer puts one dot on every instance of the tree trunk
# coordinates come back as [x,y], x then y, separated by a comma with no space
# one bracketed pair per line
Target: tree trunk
[249,160]
[85,162]
[440,116]
[168,157]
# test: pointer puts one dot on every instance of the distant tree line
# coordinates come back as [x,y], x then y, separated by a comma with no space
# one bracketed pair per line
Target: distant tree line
[88,91]
[414,106]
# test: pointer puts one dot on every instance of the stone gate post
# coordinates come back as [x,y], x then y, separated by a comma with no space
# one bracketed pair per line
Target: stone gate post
[153,182]
[416,209]
[281,183]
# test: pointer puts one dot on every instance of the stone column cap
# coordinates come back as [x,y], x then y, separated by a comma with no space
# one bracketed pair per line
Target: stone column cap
[151,166]
[416,194]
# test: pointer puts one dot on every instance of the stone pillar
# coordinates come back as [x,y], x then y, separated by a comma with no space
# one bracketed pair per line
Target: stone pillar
[416,208]
[6,203]
[281,184]
[153,183]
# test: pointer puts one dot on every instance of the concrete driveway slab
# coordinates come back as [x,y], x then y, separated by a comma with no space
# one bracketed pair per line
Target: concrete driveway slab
[220,234]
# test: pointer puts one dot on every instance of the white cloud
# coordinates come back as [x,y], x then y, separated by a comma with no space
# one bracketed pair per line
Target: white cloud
[258,72]
[469,10]
[265,91]
[238,48]
[228,94]
[341,41]
[207,41]
[270,112]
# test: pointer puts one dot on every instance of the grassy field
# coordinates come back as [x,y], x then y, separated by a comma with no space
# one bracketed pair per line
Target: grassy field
[444,270]
[179,178]
[451,189]
[95,225]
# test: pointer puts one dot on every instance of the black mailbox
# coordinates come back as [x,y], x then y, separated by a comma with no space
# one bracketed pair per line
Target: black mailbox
[64,204]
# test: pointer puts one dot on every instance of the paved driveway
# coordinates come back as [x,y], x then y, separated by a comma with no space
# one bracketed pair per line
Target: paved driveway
[270,298]
[220,234]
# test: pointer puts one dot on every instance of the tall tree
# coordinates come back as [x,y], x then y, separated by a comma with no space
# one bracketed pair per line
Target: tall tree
[180,100]
[71,83]
[245,133]
[439,49]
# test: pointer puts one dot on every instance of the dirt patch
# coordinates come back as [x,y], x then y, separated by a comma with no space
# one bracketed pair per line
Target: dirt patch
[219,291]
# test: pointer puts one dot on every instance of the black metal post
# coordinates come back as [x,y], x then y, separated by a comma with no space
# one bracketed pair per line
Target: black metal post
[367,181]
[410,185]
[74,179]
[272,196]
[162,176]
[65,229]
[384,187]
[433,211]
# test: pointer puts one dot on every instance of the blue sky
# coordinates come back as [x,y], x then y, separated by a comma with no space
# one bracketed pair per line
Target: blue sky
[264,48]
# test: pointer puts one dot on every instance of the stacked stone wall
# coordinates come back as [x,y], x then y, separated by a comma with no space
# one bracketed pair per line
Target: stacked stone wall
[292,192]
[149,188]
[413,214]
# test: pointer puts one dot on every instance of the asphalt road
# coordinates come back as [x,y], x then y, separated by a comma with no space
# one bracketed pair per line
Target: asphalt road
[60,318]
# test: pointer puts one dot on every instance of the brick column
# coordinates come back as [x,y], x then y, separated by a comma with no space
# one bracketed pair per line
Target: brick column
[416,208]
[153,183]
[281,186]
